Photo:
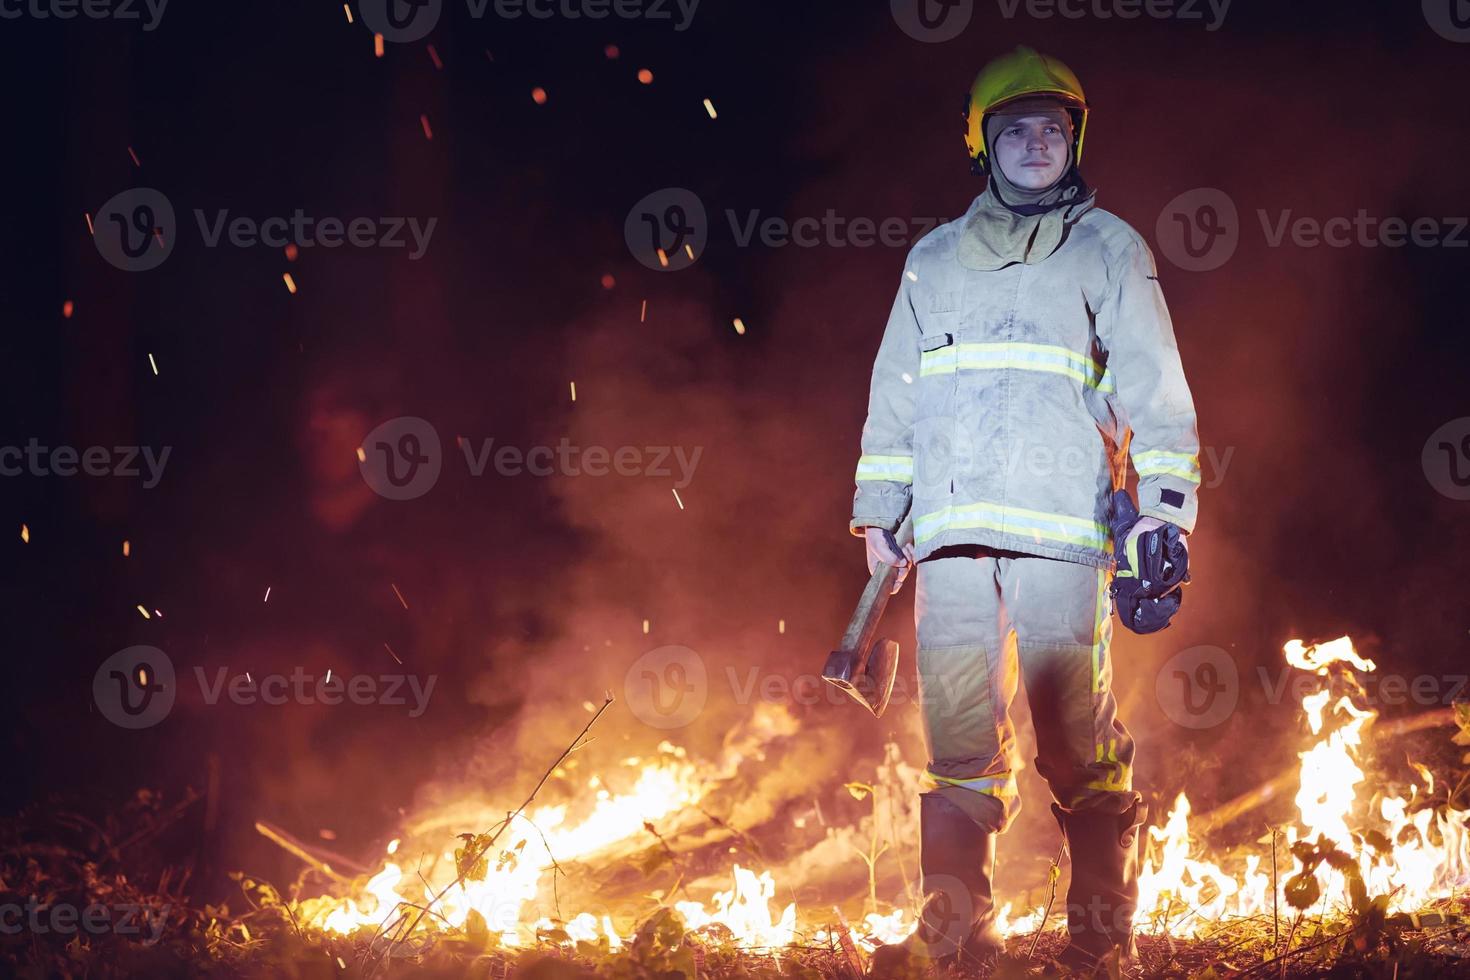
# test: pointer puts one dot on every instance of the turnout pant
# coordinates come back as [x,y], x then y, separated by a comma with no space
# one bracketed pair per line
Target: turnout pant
[985,616]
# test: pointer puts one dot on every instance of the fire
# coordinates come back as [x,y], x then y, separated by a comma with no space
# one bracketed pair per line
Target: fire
[1420,857]
[1413,856]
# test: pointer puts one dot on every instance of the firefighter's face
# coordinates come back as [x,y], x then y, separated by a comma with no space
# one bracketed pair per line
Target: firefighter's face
[1032,151]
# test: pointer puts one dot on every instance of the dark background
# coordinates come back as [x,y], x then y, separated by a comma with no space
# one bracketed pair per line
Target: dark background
[1324,370]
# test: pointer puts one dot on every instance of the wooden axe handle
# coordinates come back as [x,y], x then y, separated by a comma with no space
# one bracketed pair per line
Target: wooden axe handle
[863,628]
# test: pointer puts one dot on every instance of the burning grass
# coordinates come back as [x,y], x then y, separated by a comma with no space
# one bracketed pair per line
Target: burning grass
[1367,880]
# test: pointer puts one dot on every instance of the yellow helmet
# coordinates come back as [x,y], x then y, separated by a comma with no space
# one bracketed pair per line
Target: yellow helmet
[1022,73]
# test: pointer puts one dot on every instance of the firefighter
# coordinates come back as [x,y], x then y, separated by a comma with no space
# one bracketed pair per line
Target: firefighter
[1028,356]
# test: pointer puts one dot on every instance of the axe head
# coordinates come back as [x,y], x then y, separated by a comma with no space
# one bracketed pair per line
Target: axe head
[865,675]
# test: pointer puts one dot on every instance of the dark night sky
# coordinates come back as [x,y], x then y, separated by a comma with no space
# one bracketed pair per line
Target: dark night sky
[1322,370]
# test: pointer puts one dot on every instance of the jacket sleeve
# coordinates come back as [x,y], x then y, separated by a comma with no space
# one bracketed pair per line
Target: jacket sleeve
[885,471]
[1143,358]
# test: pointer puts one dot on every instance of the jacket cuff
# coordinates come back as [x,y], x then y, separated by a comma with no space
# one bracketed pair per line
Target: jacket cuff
[858,523]
[879,503]
[1174,501]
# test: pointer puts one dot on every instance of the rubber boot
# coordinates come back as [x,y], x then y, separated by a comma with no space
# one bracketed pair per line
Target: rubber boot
[1103,895]
[957,858]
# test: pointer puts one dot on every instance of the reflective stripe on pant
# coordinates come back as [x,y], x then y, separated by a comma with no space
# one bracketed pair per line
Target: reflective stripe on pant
[986,618]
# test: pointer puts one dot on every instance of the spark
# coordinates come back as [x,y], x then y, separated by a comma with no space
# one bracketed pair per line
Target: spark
[780,626]
[740,326]
[88,216]
[393,846]
[663,258]
[677,498]
[912,276]
[643,313]
[25,534]
[434,57]
[66,309]
[126,548]
[143,612]
[428,130]
[538,95]
[645,627]
[392,654]
[361,456]
[329,677]
[347,9]
[136,163]
[291,252]
[574,390]
[608,281]
[645,76]
[709,107]
[399,595]
[378,45]
[611,52]
[152,363]
[689,251]
[290,283]
[267,594]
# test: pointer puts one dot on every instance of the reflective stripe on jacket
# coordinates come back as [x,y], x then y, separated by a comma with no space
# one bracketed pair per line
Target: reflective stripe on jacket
[1004,404]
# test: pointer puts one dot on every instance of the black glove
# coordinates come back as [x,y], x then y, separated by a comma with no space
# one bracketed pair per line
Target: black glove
[1151,570]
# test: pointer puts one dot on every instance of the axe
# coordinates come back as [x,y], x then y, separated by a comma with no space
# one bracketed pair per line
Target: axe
[865,664]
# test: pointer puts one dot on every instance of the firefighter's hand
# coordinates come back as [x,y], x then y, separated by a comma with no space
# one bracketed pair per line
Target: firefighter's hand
[880,550]
[1139,527]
